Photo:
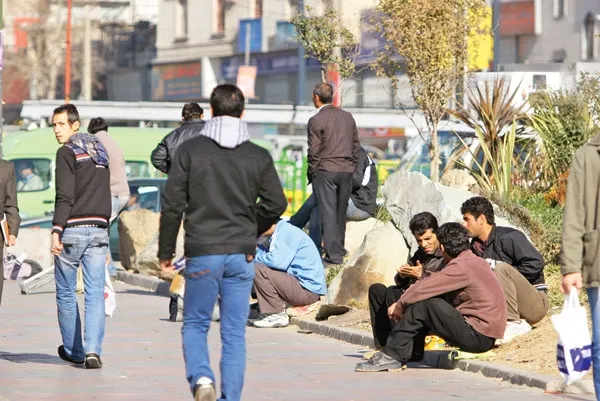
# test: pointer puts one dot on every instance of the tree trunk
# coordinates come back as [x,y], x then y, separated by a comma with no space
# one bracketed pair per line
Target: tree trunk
[434,154]
[323,73]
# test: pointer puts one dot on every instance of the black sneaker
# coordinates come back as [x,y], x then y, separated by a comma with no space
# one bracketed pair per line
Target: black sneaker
[93,361]
[63,355]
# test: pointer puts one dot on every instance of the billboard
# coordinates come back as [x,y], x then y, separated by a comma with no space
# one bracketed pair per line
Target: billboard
[177,82]
[519,17]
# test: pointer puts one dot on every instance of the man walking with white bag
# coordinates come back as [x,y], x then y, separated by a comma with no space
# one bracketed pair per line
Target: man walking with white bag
[580,258]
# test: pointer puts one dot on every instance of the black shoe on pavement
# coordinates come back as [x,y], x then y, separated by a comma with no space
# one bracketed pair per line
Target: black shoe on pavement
[380,362]
[63,355]
[93,361]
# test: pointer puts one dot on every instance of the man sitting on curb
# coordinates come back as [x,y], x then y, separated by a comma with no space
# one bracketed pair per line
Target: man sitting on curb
[426,260]
[462,303]
[289,272]
[517,264]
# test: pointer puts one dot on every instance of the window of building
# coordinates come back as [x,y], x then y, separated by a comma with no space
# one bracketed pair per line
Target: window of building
[33,174]
[181,19]
[589,32]
[219,16]
[560,8]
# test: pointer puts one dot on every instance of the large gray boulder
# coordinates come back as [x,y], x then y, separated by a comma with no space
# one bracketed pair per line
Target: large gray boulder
[147,261]
[376,261]
[409,193]
[356,232]
[136,229]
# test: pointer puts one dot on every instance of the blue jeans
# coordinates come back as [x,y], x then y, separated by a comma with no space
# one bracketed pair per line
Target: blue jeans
[595,307]
[309,212]
[85,246]
[230,278]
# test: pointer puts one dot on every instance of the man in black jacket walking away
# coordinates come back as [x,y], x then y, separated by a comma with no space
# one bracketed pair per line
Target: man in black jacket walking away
[192,124]
[517,264]
[215,180]
[80,236]
[333,149]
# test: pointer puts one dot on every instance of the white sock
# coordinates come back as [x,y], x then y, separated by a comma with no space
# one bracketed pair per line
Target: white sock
[204,381]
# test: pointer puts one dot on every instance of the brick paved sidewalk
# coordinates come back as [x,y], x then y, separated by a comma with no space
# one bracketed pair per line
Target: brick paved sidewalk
[143,361]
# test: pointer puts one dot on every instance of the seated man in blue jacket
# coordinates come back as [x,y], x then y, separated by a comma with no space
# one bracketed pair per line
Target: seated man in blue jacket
[289,271]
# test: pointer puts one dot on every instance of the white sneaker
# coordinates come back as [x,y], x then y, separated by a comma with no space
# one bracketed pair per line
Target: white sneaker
[514,329]
[273,320]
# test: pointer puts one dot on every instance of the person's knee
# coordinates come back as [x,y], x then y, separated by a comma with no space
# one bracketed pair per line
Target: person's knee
[503,269]
[377,290]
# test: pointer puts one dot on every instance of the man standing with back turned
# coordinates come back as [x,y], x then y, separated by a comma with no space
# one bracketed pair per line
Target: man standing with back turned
[216,179]
[332,158]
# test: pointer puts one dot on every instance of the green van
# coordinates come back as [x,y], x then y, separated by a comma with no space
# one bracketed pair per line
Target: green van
[33,153]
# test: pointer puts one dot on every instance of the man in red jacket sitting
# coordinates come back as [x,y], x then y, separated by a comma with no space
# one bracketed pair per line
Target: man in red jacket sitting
[463,303]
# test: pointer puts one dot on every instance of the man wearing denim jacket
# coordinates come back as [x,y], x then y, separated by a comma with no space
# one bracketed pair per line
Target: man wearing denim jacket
[80,236]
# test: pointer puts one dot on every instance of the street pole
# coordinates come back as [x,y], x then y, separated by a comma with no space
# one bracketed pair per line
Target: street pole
[496,30]
[87,56]
[301,65]
[68,53]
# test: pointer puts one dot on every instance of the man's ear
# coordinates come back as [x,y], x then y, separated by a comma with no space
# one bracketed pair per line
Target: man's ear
[212,114]
[75,126]
[442,248]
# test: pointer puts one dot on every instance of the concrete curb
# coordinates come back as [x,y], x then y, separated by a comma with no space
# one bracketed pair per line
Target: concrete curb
[150,283]
[440,360]
[435,359]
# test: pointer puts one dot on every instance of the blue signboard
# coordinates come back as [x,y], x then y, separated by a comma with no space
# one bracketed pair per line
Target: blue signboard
[255,35]
[266,64]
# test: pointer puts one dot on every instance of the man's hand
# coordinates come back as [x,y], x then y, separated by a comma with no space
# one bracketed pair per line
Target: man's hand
[166,265]
[411,271]
[571,280]
[396,311]
[12,240]
[57,245]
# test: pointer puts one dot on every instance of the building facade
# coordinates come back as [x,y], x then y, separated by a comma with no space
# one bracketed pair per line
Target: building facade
[203,43]
[549,31]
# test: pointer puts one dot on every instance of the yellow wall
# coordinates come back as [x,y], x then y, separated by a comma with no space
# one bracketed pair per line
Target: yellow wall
[481,44]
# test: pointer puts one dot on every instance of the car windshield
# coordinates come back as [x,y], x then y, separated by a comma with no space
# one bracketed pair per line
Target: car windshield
[144,196]
[33,174]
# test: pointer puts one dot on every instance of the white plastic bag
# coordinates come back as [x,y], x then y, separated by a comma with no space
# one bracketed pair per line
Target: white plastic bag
[110,298]
[574,348]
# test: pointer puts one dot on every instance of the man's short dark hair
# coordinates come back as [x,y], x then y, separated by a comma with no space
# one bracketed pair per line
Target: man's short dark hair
[421,222]
[478,206]
[324,92]
[71,110]
[191,111]
[454,238]
[96,125]
[227,100]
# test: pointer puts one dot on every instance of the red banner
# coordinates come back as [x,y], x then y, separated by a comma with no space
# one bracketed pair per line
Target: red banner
[333,79]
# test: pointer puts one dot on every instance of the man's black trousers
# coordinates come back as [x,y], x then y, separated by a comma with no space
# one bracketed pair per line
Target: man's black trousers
[333,192]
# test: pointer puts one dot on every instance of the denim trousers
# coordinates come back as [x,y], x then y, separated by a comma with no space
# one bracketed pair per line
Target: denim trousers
[309,212]
[594,300]
[230,278]
[87,247]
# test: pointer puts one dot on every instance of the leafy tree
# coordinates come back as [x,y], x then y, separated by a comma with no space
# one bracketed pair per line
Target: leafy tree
[322,36]
[429,41]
